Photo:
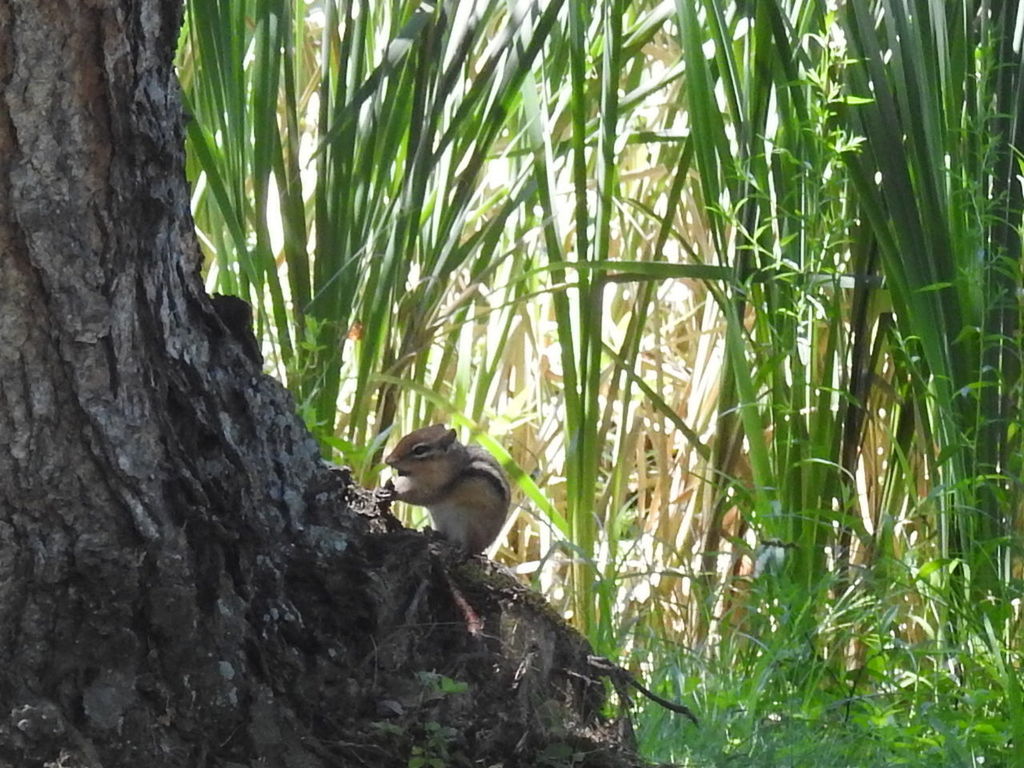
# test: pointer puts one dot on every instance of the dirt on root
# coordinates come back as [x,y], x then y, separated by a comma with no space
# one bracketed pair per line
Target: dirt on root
[449,661]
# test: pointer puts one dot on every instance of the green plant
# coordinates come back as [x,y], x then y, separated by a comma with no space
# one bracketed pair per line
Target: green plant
[433,751]
[705,276]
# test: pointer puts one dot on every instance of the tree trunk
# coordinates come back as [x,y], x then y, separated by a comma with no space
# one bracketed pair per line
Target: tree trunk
[182,581]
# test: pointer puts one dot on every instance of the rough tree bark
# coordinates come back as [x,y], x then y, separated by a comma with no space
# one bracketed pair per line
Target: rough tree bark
[182,581]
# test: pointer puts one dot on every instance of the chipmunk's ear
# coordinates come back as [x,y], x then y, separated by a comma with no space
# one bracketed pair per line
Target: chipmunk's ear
[448,438]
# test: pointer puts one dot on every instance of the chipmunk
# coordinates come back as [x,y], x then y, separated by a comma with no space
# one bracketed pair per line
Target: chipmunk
[462,486]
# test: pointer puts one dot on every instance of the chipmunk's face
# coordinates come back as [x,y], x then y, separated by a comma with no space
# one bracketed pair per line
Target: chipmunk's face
[425,462]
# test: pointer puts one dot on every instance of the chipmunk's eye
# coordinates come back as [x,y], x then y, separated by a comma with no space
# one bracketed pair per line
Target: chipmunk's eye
[421,450]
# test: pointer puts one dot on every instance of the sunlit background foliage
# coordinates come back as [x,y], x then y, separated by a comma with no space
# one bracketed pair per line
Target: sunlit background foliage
[732,288]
